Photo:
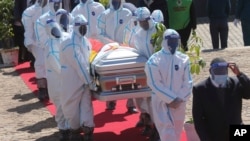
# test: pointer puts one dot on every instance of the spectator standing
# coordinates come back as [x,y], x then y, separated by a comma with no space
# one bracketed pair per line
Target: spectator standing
[242,14]
[24,54]
[217,101]
[218,12]
[182,18]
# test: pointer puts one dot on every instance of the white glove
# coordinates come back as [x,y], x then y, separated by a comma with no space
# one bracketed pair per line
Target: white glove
[29,47]
[236,21]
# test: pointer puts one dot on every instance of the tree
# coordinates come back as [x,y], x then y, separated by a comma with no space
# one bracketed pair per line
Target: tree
[195,43]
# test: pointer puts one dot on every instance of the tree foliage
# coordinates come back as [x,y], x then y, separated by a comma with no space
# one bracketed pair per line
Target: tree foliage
[195,44]
[6,16]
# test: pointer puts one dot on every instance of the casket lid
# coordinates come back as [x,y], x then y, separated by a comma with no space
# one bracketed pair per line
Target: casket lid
[119,58]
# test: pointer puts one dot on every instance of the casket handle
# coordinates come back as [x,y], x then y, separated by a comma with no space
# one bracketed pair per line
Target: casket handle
[125,80]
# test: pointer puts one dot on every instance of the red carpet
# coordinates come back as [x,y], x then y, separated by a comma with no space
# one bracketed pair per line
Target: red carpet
[110,126]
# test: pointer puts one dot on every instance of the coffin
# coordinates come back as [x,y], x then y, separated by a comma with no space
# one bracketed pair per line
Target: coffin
[118,72]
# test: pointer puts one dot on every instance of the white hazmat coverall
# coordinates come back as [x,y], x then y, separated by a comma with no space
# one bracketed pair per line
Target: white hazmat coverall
[53,67]
[76,97]
[40,24]
[145,48]
[29,17]
[112,22]
[90,10]
[169,77]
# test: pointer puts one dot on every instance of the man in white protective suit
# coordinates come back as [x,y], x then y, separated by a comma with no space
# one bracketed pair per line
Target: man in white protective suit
[91,10]
[169,77]
[40,24]
[53,73]
[111,25]
[145,48]
[29,17]
[77,82]
[157,16]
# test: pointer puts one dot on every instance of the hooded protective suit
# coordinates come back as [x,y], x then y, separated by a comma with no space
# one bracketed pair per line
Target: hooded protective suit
[40,24]
[76,97]
[65,20]
[144,47]
[53,67]
[91,10]
[169,77]
[143,37]
[157,16]
[112,22]
[29,17]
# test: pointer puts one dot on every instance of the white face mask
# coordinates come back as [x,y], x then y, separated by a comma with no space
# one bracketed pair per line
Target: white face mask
[220,80]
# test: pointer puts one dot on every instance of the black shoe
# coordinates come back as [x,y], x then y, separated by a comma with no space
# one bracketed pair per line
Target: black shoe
[43,94]
[88,137]
[154,135]
[88,133]
[75,135]
[111,105]
[140,123]
[146,131]
[132,110]
[64,135]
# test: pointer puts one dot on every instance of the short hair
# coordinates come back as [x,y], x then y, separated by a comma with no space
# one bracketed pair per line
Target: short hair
[217,60]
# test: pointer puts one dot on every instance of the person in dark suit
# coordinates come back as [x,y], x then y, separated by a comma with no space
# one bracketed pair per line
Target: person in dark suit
[217,101]
[24,54]
[218,13]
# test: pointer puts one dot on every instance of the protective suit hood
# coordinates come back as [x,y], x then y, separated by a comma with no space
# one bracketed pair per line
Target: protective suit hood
[80,24]
[157,16]
[53,29]
[129,6]
[143,14]
[63,18]
[113,7]
[54,5]
[41,3]
[171,41]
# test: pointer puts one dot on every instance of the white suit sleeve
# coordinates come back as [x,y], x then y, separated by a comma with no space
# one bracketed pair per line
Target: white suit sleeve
[154,80]
[79,63]
[186,87]
[40,32]
[28,23]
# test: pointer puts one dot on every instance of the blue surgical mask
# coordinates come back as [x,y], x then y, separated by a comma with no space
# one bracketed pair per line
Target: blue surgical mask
[220,79]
